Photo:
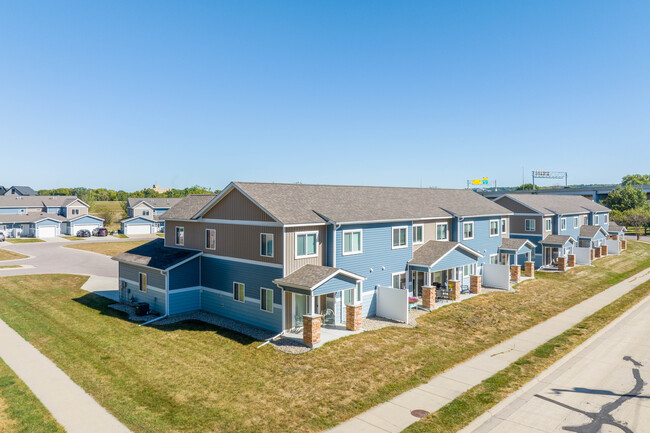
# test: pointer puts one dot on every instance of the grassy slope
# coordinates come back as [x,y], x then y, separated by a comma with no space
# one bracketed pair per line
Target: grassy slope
[114,206]
[10,255]
[193,377]
[108,248]
[20,410]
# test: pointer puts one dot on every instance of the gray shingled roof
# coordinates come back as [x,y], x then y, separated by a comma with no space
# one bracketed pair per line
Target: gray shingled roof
[24,190]
[513,244]
[28,218]
[590,231]
[309,276]
[556,240]
[156,255]
[298,203]
[35,200]
[558,204]
[615,228]
[188,207]
[432,251]
[155,202]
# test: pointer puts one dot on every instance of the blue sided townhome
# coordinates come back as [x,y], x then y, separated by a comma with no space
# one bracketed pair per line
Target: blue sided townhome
[143,215]
[271,255]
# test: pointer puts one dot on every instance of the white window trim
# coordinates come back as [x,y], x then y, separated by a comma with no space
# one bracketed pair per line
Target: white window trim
[595,220]
[490,259]
[468,238]
[504,222]
[392,237]
[262,289]
[146,281]
[351,253]
[576,222]
[562,224]
[176,235]
[234,283]
[548,222]
[585,220]
[307,256]
[207,246]
[498,228]
[272,245]
[446,231]
[392,278]
[605,218]
[413,234]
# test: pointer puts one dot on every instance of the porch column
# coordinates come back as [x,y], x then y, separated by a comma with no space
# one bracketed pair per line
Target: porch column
[604,250]
[561,264]
[529,269]
[571,260]
[475,284]
[597,252]
[515,273]
[454,290]
[428,297]
[353,317]
[623,244]
[311,329]
[592,254]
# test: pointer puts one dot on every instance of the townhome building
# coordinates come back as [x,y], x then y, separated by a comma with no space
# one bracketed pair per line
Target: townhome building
[44,216]
[269,254]
[143,215]
[556,224]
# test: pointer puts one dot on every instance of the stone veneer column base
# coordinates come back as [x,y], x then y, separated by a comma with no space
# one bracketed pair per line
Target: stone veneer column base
[624,244]
[353,317]
[311,329]
[515,273]
[475,284]
[604,250]
[597,252]
[529,269]
[571,260]
[428,297]
[454,290]
[561,264]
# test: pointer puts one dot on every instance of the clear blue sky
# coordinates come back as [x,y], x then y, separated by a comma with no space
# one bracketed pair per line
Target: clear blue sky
[126,94]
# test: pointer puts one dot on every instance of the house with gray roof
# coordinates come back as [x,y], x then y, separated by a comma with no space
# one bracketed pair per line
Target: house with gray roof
[271,254]
[17,190]
[143,215]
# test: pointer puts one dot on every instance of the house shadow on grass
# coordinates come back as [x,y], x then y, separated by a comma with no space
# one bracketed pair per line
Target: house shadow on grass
[182,322]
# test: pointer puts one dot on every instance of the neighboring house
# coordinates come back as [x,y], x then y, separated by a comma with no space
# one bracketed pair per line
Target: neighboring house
[2,190]
[18,190]
[556,224]
[615,231]
[143,215]
[44,216]
[266,254]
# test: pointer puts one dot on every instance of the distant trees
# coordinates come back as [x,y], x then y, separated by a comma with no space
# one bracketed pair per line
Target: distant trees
[526,186]
[103,194]
[626,197]
[636,179]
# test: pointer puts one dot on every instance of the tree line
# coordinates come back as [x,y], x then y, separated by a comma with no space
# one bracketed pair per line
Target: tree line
[103,194]
[629,205]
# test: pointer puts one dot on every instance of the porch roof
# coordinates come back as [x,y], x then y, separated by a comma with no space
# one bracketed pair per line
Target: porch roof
[590,232]
[156,255]
[615,228]
[433,252]
[509,244]
[557,240]
[309,278]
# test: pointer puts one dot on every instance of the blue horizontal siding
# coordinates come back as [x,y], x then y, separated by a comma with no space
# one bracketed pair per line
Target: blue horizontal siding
[248,312]
[184,301]
[336,284]
[45,223]
[186,275]
[138,221]
[455,259]
[87,219]
[11,211]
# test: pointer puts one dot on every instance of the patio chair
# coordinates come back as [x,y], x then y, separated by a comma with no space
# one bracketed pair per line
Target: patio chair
[328,316]
[298,321]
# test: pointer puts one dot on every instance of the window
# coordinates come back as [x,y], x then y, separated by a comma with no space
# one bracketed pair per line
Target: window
[145,212]
[504,226]
[74,211]
[494,258]
[352,242]
[210,239]
[529,225]
[469,269]
[266,299]
[266,244]
[468,231]
[418,233]
[142,282]
[353,296]
[399,280]
[585,220]
[441,231]
[399,237]
[563,224]
[306,244]
[494,228]
[576,222]
[549,224]
[239,292]
[605,218]
[180,236]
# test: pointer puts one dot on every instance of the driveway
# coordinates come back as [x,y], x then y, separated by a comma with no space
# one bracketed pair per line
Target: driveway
[602,386]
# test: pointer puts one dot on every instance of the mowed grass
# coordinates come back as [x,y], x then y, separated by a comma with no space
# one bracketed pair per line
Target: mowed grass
[73,238]
[10,267]
[479,399]
[20,410]
[10,255]
[24,240]
[108,248]
[194,377]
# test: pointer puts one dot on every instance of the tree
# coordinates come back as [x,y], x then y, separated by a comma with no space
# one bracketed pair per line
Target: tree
[526,186]
[638,218]
[626,197]
[107,215]
[636,179]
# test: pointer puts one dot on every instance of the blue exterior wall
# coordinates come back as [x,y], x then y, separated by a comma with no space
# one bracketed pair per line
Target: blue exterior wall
[569,231]
[45,223]
[9,210]
[336,284]
[87,219]
[218,275]
[454,259]
[535,239]
[377,254]
[482,242]
[184,301]
[186,275]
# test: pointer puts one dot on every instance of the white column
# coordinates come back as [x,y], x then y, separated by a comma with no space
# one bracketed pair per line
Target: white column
[312,305]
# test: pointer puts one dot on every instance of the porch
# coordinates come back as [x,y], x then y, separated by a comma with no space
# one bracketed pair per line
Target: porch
[558,253]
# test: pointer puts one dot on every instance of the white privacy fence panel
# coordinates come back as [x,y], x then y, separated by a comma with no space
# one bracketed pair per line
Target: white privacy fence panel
[583,255]
[496,276]
[613,246]
[393,303]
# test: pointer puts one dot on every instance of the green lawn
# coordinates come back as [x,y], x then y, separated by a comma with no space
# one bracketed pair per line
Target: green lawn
[194,377]
[108,248]
[73,238]
[20,410]
[24,240]
[10,267]
[121,236]
[10,255]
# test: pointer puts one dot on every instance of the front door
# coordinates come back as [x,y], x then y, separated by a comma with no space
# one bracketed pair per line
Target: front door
[299,309]
[505,259]
[418,282]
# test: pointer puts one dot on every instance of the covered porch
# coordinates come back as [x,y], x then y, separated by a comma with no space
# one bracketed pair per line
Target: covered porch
[321,303]
[556,250]
[592,237]
[516,251]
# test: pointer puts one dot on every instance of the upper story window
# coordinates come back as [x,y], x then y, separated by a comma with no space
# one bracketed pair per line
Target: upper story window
[180,236]
[605,219]
[145,212]
[306,244]
[442,231]
[595,220]
[468,231]
[399,237]
[142,283]
[585,220]
[494,228]
[504,226]
[211,239]
[266,244]
[352,242]
[418,233]
[576,222]
[74,211]
[548,224]
[529,225]
[563,224]
[238,291]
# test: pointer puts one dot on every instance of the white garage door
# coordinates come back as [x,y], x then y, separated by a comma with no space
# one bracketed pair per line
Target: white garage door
[47,232]
[84,227]
[138,229]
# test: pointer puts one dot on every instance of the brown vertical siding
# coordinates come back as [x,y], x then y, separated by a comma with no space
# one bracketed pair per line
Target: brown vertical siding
[233,240]
[518,224]
[291,263]
[235,206]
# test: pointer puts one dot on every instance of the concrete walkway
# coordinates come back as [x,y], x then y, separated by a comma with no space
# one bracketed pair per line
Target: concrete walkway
[395,415]
[103,286]
[70,405]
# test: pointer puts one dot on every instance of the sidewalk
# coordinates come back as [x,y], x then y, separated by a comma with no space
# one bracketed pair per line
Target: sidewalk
[395,415]
[70,405]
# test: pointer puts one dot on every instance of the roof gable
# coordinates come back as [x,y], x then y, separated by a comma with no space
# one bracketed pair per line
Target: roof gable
[233,204]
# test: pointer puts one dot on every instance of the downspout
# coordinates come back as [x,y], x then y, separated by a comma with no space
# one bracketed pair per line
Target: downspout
[166,301]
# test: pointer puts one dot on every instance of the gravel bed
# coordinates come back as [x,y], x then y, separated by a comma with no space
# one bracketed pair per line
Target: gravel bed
[290,346]
[373,323]
[131,312]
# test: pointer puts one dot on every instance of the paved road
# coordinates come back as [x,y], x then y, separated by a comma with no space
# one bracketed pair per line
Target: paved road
[602,386]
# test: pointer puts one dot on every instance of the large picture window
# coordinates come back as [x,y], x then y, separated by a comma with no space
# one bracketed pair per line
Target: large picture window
[529,225]
[399,280]
[180,236]
[399,237]
[266,244]
[306,244]
[352,242]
